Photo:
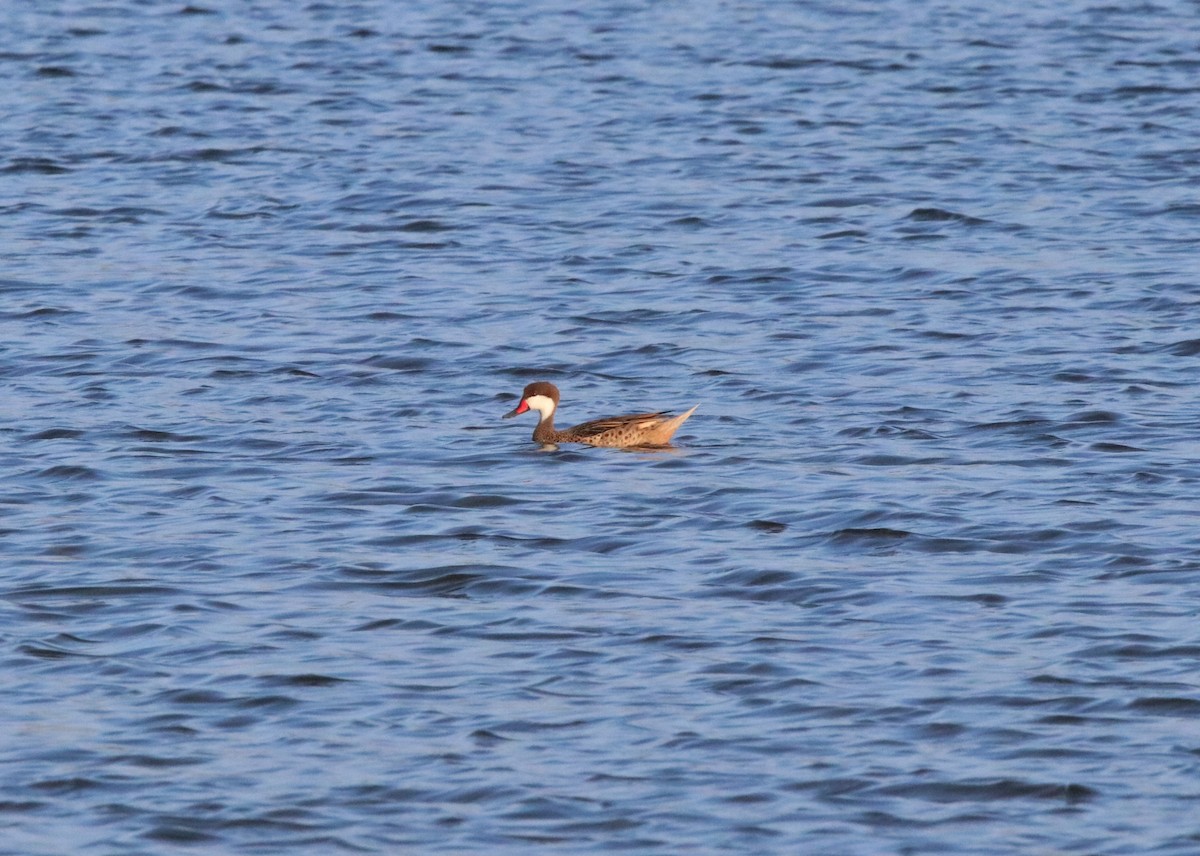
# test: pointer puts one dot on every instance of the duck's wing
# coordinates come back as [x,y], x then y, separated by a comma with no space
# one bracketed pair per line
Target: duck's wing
[610,423]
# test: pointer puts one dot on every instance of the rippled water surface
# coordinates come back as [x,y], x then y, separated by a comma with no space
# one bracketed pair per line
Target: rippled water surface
[922,575]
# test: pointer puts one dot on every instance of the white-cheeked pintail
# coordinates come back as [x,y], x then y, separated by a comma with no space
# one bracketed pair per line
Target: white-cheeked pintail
[637,429]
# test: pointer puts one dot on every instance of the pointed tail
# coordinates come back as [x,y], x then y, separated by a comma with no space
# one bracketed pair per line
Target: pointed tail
[670,426]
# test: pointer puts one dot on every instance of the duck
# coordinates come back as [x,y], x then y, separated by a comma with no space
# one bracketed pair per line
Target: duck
[617,432]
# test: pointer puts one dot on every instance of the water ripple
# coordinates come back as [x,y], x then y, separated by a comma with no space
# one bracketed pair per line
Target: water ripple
[919,578]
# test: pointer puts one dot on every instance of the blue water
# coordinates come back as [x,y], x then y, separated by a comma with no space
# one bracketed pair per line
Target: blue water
[922,575]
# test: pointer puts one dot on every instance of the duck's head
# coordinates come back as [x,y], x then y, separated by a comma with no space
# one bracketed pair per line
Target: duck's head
[540,396]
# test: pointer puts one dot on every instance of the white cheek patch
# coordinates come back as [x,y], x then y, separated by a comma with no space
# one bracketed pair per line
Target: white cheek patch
[542,404]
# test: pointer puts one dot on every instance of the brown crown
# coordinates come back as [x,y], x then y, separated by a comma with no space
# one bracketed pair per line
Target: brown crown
[541,387]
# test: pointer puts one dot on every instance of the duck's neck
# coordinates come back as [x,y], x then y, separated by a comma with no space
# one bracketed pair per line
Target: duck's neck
[544,432]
